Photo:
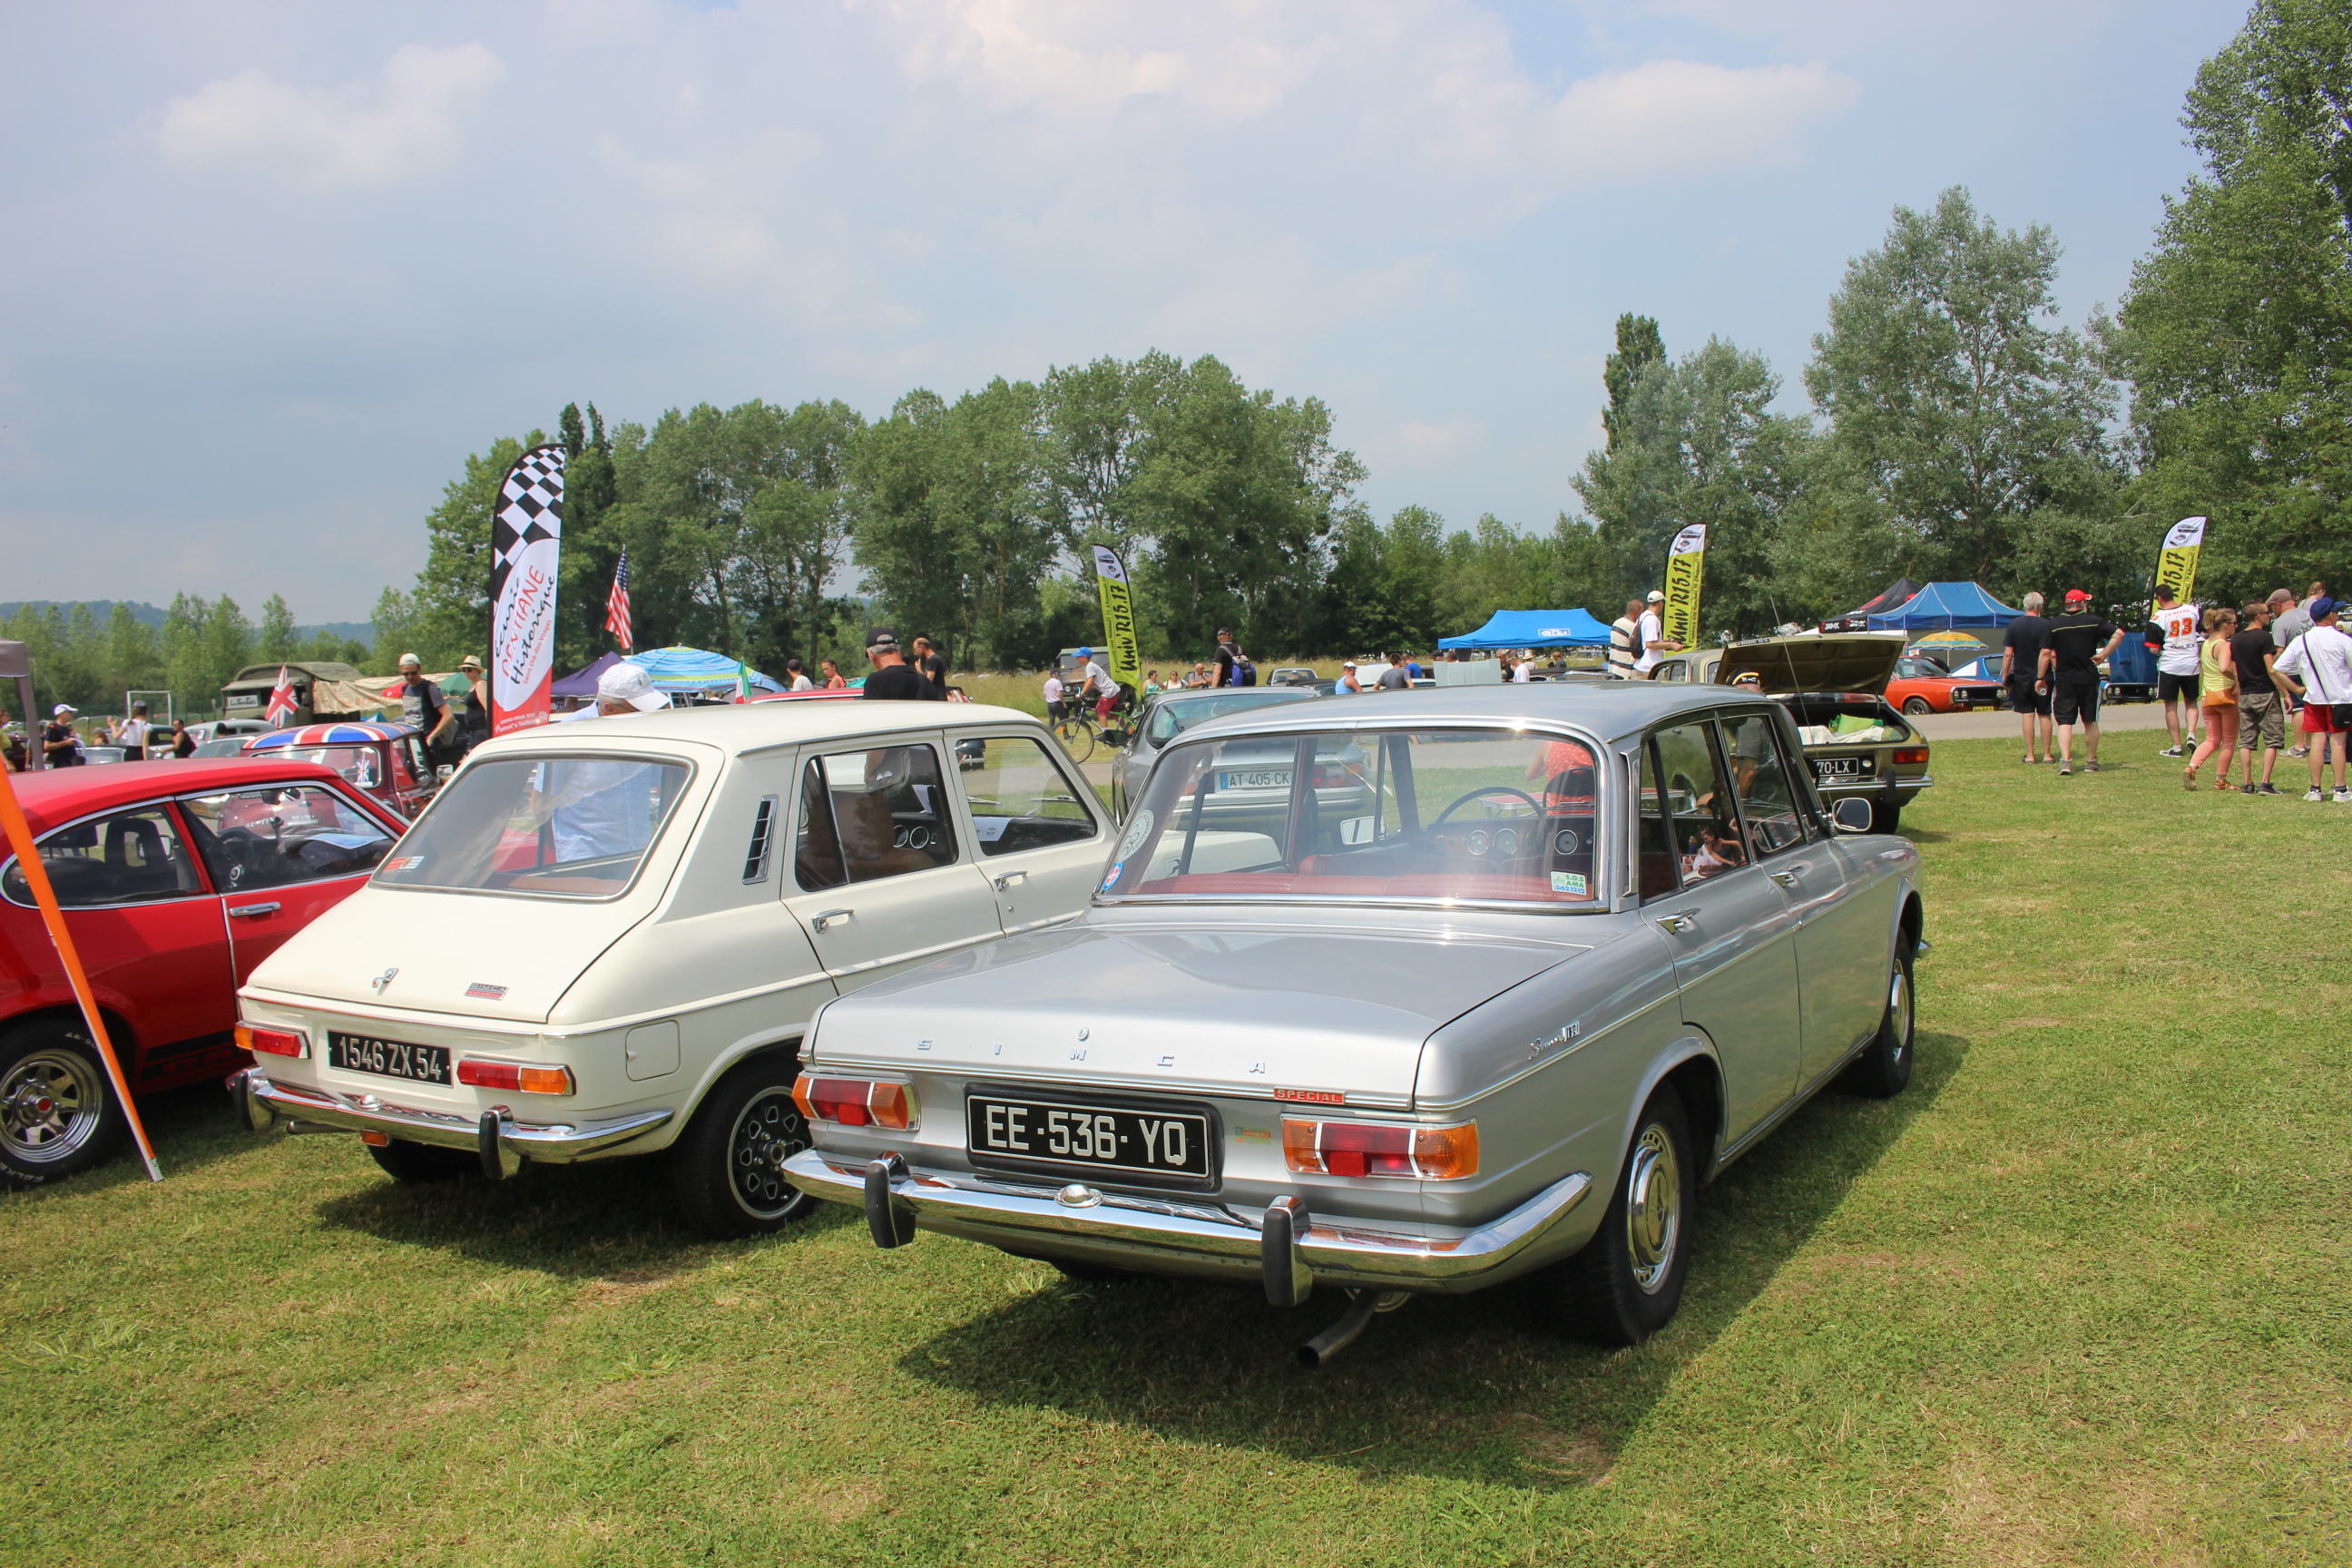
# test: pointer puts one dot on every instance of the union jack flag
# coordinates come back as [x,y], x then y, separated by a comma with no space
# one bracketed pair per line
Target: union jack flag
[282,705]
[616,605]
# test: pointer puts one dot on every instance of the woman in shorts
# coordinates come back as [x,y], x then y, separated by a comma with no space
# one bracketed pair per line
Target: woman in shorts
[2217,693]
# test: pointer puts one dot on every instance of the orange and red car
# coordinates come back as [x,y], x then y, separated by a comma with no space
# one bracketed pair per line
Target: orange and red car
[1922,685]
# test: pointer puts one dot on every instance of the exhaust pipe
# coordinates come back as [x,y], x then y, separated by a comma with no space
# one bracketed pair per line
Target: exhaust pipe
[1359,1317]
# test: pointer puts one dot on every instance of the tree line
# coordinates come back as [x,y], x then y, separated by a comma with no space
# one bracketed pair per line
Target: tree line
[80,659]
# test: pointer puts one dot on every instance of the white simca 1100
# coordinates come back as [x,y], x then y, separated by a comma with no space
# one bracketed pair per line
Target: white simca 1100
[1416,995]
[606,938]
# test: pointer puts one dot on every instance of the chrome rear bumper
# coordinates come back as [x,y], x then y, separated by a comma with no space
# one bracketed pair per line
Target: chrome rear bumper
[264,1103]
[1174,1236]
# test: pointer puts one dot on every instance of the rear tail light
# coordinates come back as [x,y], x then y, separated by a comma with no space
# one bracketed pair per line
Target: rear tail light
[485,1072]
[1381,1148]
[856,1101]
[1911,754]
[1336,775]
[273,1042]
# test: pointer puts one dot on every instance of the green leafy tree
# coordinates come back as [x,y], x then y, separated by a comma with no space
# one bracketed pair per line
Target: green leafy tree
[278,638]
[451,602]
[1966,415]
[1639,346]
[395,623]
[228,643]
[2237,332]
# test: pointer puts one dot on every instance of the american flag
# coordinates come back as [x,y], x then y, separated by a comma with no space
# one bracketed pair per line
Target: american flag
[282,705]
[616,604]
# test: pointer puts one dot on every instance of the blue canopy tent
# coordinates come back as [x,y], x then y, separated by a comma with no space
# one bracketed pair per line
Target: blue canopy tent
[1532,629]
[1945,607]
[695,670]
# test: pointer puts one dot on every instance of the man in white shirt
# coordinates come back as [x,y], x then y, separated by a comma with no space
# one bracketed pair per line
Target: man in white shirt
[1523,670]
[1652,634]
[2173,631]
[1098,686]
[1054,710]
[2319,665]
[599,809]
[1625,642]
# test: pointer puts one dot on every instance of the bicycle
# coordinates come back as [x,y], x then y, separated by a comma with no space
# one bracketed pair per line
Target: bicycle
[1077,731]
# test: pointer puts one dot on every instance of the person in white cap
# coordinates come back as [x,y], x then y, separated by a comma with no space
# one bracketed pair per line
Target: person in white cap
[60,747]
[600,809]
[422,707]
[1653,637]
[1348,684]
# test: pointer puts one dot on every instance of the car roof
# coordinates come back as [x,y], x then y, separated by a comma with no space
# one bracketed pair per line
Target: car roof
[1609,709]
[57,795]
[753,726]
[1209,693]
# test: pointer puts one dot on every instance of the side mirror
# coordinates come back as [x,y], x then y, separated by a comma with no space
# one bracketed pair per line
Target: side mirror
[1850,815]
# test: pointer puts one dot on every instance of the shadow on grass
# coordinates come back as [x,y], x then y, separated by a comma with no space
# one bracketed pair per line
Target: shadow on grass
[191,1128]
[603,1218]
[1474,1387]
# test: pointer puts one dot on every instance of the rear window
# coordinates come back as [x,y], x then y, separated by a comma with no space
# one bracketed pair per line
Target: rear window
[1171,718]
[1846,720]
[1436,815]
[564,827]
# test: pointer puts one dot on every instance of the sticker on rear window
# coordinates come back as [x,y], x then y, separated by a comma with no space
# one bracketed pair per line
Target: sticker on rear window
[1137,832]
[1568,882]
[405,863]
[1110,877]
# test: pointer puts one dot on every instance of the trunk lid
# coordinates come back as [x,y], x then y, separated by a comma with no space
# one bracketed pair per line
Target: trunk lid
[1187,1008]
[1857,661]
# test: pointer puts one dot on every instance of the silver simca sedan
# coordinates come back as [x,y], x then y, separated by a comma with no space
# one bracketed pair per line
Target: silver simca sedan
[606,938]
[1566,952]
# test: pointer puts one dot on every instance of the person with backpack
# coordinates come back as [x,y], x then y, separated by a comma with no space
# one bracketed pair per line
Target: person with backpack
[2318,664]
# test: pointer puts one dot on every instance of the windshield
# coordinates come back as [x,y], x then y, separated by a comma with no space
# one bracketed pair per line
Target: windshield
[1171,718]
[1430,815]
[573,828]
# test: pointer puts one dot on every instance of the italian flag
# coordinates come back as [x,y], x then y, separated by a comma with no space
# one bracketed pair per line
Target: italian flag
[742,681]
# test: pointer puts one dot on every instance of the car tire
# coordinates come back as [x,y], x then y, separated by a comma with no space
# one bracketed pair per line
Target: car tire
[1886,816]
[58,1116]
[726,1169]
[1625,1284]
[1918,707]
[414,1165]
[1884,1069]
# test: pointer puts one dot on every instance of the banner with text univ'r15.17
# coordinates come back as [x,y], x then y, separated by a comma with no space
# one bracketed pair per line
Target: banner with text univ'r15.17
[2175,568]
[1685,567]
[1125,659]
[526,541]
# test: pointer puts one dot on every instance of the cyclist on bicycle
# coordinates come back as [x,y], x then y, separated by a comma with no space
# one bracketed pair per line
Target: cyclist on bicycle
[1098,688]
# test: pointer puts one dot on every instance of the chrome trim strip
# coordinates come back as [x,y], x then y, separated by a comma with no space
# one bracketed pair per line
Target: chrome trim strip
[1550,1059]
[1340,1251]
[553,1141]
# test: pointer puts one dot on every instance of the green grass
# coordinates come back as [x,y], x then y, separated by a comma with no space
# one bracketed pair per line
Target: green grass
[2080,1296]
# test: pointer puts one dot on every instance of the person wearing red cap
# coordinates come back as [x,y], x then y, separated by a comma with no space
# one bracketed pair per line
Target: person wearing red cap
[2069,671]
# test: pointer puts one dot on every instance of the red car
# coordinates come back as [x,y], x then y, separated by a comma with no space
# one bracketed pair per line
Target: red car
[176,879]
[1922,685]
[387,761]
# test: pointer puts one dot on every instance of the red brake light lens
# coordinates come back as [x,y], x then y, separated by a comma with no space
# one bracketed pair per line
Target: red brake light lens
[1911,754]
[856,1101]
[273,1042]
[485,1072]
[1381,1148]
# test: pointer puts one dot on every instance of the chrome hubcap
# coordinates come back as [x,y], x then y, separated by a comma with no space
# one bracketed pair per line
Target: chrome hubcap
[1898,1012]
[50,1106]
[1654,1209]
[769,1132]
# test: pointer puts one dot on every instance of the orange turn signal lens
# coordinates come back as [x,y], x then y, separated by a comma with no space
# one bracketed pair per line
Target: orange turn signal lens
[1906,755]
[856,1101]
[376,1140]
[1381,1148]
[482,1072]
[273,1042]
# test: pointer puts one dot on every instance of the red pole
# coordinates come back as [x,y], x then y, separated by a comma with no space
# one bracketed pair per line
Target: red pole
[36,877]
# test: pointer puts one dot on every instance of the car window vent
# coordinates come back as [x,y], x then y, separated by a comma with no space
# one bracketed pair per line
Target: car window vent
[763,833]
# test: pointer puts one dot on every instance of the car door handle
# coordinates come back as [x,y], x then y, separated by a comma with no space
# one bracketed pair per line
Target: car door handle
[830,916]
[1681,920]
[1010,879]
[1786,878]
[247,910]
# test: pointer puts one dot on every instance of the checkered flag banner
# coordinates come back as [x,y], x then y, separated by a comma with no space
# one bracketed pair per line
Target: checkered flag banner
[526,542]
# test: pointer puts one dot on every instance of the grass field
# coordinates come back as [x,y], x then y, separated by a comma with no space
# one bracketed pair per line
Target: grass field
[2080,1296]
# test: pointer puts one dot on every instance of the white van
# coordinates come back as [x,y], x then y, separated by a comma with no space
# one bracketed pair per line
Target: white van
[606,938]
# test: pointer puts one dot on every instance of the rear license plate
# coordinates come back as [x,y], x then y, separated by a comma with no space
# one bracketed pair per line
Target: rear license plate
[1256,778]
[388,1058]
[1828,768]
[1073,1136]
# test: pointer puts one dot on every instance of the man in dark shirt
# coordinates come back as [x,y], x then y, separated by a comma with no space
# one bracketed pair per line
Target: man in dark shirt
[1226,653]
[931,667]
[2076,643]
[2020,671]
[2262,705]
[60,747]
[892,679]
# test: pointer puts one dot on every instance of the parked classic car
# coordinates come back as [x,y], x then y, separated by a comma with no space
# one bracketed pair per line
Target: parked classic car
[1170,714]
[1583,946]
[1860,747]
[655,904]
[387,761]
[1921,686]
[177,878]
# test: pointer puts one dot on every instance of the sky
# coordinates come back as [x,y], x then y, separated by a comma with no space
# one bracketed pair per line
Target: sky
[271,271]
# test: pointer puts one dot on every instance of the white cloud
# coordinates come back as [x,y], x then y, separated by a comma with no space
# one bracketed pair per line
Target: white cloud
[320,140]
[1458,434]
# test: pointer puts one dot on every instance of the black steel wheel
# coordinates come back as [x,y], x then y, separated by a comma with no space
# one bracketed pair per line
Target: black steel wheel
[727,1169]
[1884,1069]
[1625,1284]
[57,1112]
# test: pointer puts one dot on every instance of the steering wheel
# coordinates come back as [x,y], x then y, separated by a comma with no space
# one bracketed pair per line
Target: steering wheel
[1480,794]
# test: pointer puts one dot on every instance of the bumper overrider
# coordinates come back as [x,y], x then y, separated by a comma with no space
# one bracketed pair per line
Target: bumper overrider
[1285,1245]
[503,1141]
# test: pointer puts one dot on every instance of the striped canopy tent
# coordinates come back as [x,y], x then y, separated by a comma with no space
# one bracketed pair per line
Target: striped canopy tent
[696,671]
[344,734]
